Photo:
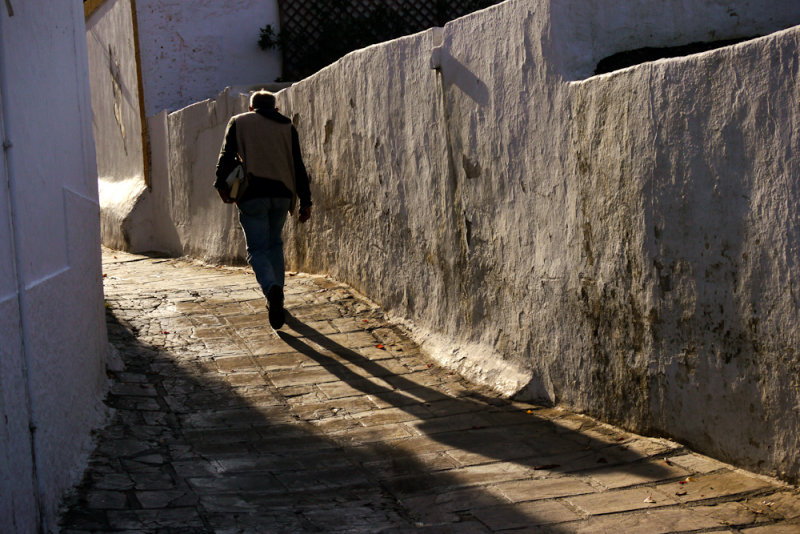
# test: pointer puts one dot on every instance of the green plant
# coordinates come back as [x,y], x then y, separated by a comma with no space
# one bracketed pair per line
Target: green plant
[268,39]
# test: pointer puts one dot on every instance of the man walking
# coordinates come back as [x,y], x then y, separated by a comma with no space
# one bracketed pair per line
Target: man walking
[267,144]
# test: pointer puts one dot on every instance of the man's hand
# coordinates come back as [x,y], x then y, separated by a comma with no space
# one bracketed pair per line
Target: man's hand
[305,214]
[223,194]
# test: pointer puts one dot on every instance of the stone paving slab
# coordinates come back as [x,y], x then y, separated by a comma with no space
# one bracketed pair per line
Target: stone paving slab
[340,423]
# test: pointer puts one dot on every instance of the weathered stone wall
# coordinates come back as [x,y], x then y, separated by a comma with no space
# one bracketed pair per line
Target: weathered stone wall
[624,245]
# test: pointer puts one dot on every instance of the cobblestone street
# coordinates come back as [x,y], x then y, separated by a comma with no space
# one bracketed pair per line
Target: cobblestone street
[339,423]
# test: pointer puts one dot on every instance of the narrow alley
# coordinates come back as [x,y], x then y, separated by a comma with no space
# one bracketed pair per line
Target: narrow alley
[339,423]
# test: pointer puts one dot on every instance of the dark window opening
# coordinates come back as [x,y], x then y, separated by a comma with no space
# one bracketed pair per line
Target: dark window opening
[630,58]
[315,33]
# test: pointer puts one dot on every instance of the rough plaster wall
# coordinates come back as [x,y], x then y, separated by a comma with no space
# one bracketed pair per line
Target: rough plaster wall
[150,226]
[68,378]
[53,215]
[192,50]
[204,226]
[687,206]
[180,213]
[387,210]
[115,93]
[116,120]
[589,30]
[17,507]
[625,244]
[722,236]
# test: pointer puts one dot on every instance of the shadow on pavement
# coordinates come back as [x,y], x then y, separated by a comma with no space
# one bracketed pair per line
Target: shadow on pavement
[186,453]
[521,437]
[191,451]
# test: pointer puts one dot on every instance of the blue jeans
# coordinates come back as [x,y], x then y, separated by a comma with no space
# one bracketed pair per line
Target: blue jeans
[262,220]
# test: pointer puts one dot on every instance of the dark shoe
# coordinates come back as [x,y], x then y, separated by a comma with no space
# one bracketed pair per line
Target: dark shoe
[275,305]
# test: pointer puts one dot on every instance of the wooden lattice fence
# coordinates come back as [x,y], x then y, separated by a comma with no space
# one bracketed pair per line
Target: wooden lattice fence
[315,33]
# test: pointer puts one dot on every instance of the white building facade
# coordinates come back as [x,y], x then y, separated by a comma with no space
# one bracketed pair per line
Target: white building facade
[54,345]
[191,50]
[148,58]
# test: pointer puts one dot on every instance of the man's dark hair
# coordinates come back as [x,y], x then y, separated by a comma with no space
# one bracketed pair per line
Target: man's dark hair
[262,100]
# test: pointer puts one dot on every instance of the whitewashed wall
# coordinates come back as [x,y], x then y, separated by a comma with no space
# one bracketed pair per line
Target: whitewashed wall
[116,117]
[180,213]
[191,50]
[52,354]
[203,225]
[625,245]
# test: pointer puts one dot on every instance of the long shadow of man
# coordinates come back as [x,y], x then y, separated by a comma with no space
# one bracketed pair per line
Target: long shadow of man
[483,428]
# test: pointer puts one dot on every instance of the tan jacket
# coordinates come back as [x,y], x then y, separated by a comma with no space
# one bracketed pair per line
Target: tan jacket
[266,148]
